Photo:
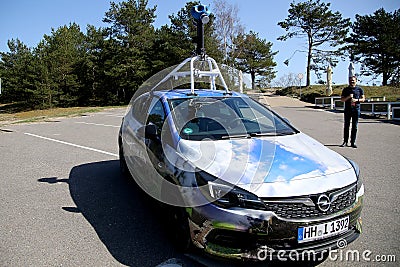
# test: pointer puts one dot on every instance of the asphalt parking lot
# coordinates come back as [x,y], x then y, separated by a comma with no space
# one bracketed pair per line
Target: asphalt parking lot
[64,203]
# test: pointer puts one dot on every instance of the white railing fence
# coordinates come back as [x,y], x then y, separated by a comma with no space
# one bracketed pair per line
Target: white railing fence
[372,106]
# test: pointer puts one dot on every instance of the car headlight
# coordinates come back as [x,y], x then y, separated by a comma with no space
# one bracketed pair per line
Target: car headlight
[226,195]
[355,167]
[360,185]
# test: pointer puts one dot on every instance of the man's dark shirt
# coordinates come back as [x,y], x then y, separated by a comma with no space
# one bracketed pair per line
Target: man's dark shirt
[357,94]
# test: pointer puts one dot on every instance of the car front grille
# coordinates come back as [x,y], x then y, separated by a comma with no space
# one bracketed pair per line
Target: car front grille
[306,207]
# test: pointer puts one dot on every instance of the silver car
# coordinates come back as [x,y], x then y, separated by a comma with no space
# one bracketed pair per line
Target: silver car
[238,181]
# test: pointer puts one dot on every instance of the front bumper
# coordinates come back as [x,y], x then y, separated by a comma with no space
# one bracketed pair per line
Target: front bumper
[238,233]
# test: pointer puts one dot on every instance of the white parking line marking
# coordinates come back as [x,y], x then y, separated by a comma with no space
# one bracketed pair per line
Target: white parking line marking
[74,145]
[103,113]
[97,124]
[118,116]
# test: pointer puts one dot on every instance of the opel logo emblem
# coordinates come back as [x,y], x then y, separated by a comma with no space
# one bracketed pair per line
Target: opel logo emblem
[323,203]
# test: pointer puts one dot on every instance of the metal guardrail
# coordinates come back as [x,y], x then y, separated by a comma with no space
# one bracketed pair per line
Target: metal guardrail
[376,98]
[389,109]
[338,105]
[395,113]
[378,108]
[328,101]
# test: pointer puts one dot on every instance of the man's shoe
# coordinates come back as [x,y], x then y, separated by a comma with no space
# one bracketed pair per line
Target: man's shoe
[353,145]
[344,144]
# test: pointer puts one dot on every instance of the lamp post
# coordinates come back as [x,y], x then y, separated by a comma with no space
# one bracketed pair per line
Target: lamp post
[300,76]
[286,62]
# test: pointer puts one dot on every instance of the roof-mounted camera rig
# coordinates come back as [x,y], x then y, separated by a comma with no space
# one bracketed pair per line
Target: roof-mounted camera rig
[201,15]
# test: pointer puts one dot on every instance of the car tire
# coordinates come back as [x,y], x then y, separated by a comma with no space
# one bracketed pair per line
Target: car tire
[177,218]
[179,225]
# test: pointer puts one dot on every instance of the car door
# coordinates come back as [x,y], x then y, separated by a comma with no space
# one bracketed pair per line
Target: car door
[154,130]
[133,142]
[156,118]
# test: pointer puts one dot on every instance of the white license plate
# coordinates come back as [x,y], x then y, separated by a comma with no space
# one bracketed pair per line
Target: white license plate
[323,230]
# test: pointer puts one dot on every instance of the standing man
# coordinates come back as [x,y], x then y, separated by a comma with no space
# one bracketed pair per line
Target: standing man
[351,96]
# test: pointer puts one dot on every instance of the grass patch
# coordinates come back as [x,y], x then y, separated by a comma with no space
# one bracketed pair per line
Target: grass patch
[7,116]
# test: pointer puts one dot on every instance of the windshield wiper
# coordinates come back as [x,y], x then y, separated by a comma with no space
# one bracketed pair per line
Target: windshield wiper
[233,136]
[250,135]
[271,134]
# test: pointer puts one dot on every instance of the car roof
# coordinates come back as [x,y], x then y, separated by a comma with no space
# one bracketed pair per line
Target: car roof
[186,93]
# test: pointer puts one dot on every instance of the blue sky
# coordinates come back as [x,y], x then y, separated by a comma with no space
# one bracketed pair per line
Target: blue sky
[29,20]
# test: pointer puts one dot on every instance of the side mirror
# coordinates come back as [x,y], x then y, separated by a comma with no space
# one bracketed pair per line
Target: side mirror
[148,131]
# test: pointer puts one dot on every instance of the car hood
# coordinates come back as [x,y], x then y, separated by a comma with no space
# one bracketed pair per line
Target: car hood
[280,166]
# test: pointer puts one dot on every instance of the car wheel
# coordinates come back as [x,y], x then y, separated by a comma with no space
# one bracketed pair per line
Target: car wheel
[180,232]
[177,217]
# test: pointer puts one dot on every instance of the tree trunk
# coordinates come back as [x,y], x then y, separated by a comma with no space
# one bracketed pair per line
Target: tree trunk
[385,78]
[253,80]
[385,73]
[309,55]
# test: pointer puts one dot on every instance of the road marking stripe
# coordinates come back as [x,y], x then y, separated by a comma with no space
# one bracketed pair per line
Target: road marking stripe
[97,124]
[74,145]
[118,116]
[103,113]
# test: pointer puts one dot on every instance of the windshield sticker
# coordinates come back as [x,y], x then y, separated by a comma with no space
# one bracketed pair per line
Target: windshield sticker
[187,131]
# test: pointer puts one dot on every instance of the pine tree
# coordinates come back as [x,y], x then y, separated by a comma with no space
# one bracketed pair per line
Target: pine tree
[375,41]
[253,55]
[130,40]
[323,30]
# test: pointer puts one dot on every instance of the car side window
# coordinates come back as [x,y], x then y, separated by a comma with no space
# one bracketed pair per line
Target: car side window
[156,114]
[139,108]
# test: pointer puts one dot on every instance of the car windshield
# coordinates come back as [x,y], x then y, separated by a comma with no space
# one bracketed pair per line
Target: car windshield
[225,118]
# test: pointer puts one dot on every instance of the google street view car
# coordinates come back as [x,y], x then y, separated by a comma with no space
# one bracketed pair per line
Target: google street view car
[238,180]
